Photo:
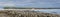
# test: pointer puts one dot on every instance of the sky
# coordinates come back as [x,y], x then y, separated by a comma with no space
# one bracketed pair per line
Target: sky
[39,3]
[4,3]
[32,3]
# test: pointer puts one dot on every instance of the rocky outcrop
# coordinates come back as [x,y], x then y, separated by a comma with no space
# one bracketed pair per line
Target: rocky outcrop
[25,13]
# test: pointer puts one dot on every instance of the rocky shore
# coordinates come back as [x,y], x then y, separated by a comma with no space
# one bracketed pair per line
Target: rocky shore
[25,13]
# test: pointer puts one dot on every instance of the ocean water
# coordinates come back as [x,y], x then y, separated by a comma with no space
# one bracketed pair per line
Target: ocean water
[53,11]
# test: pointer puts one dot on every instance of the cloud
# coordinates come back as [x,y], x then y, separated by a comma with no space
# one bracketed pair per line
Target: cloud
[39,3]
[9,4]
[25,1]
[6,4]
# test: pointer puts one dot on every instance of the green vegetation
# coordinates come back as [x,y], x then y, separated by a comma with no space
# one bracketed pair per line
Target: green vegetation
[17,7]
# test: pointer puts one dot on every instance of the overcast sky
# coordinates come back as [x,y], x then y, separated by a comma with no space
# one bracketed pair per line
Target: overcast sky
[31,3]
[39,3]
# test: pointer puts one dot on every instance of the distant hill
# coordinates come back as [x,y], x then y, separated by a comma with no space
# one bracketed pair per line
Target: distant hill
[27,8]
